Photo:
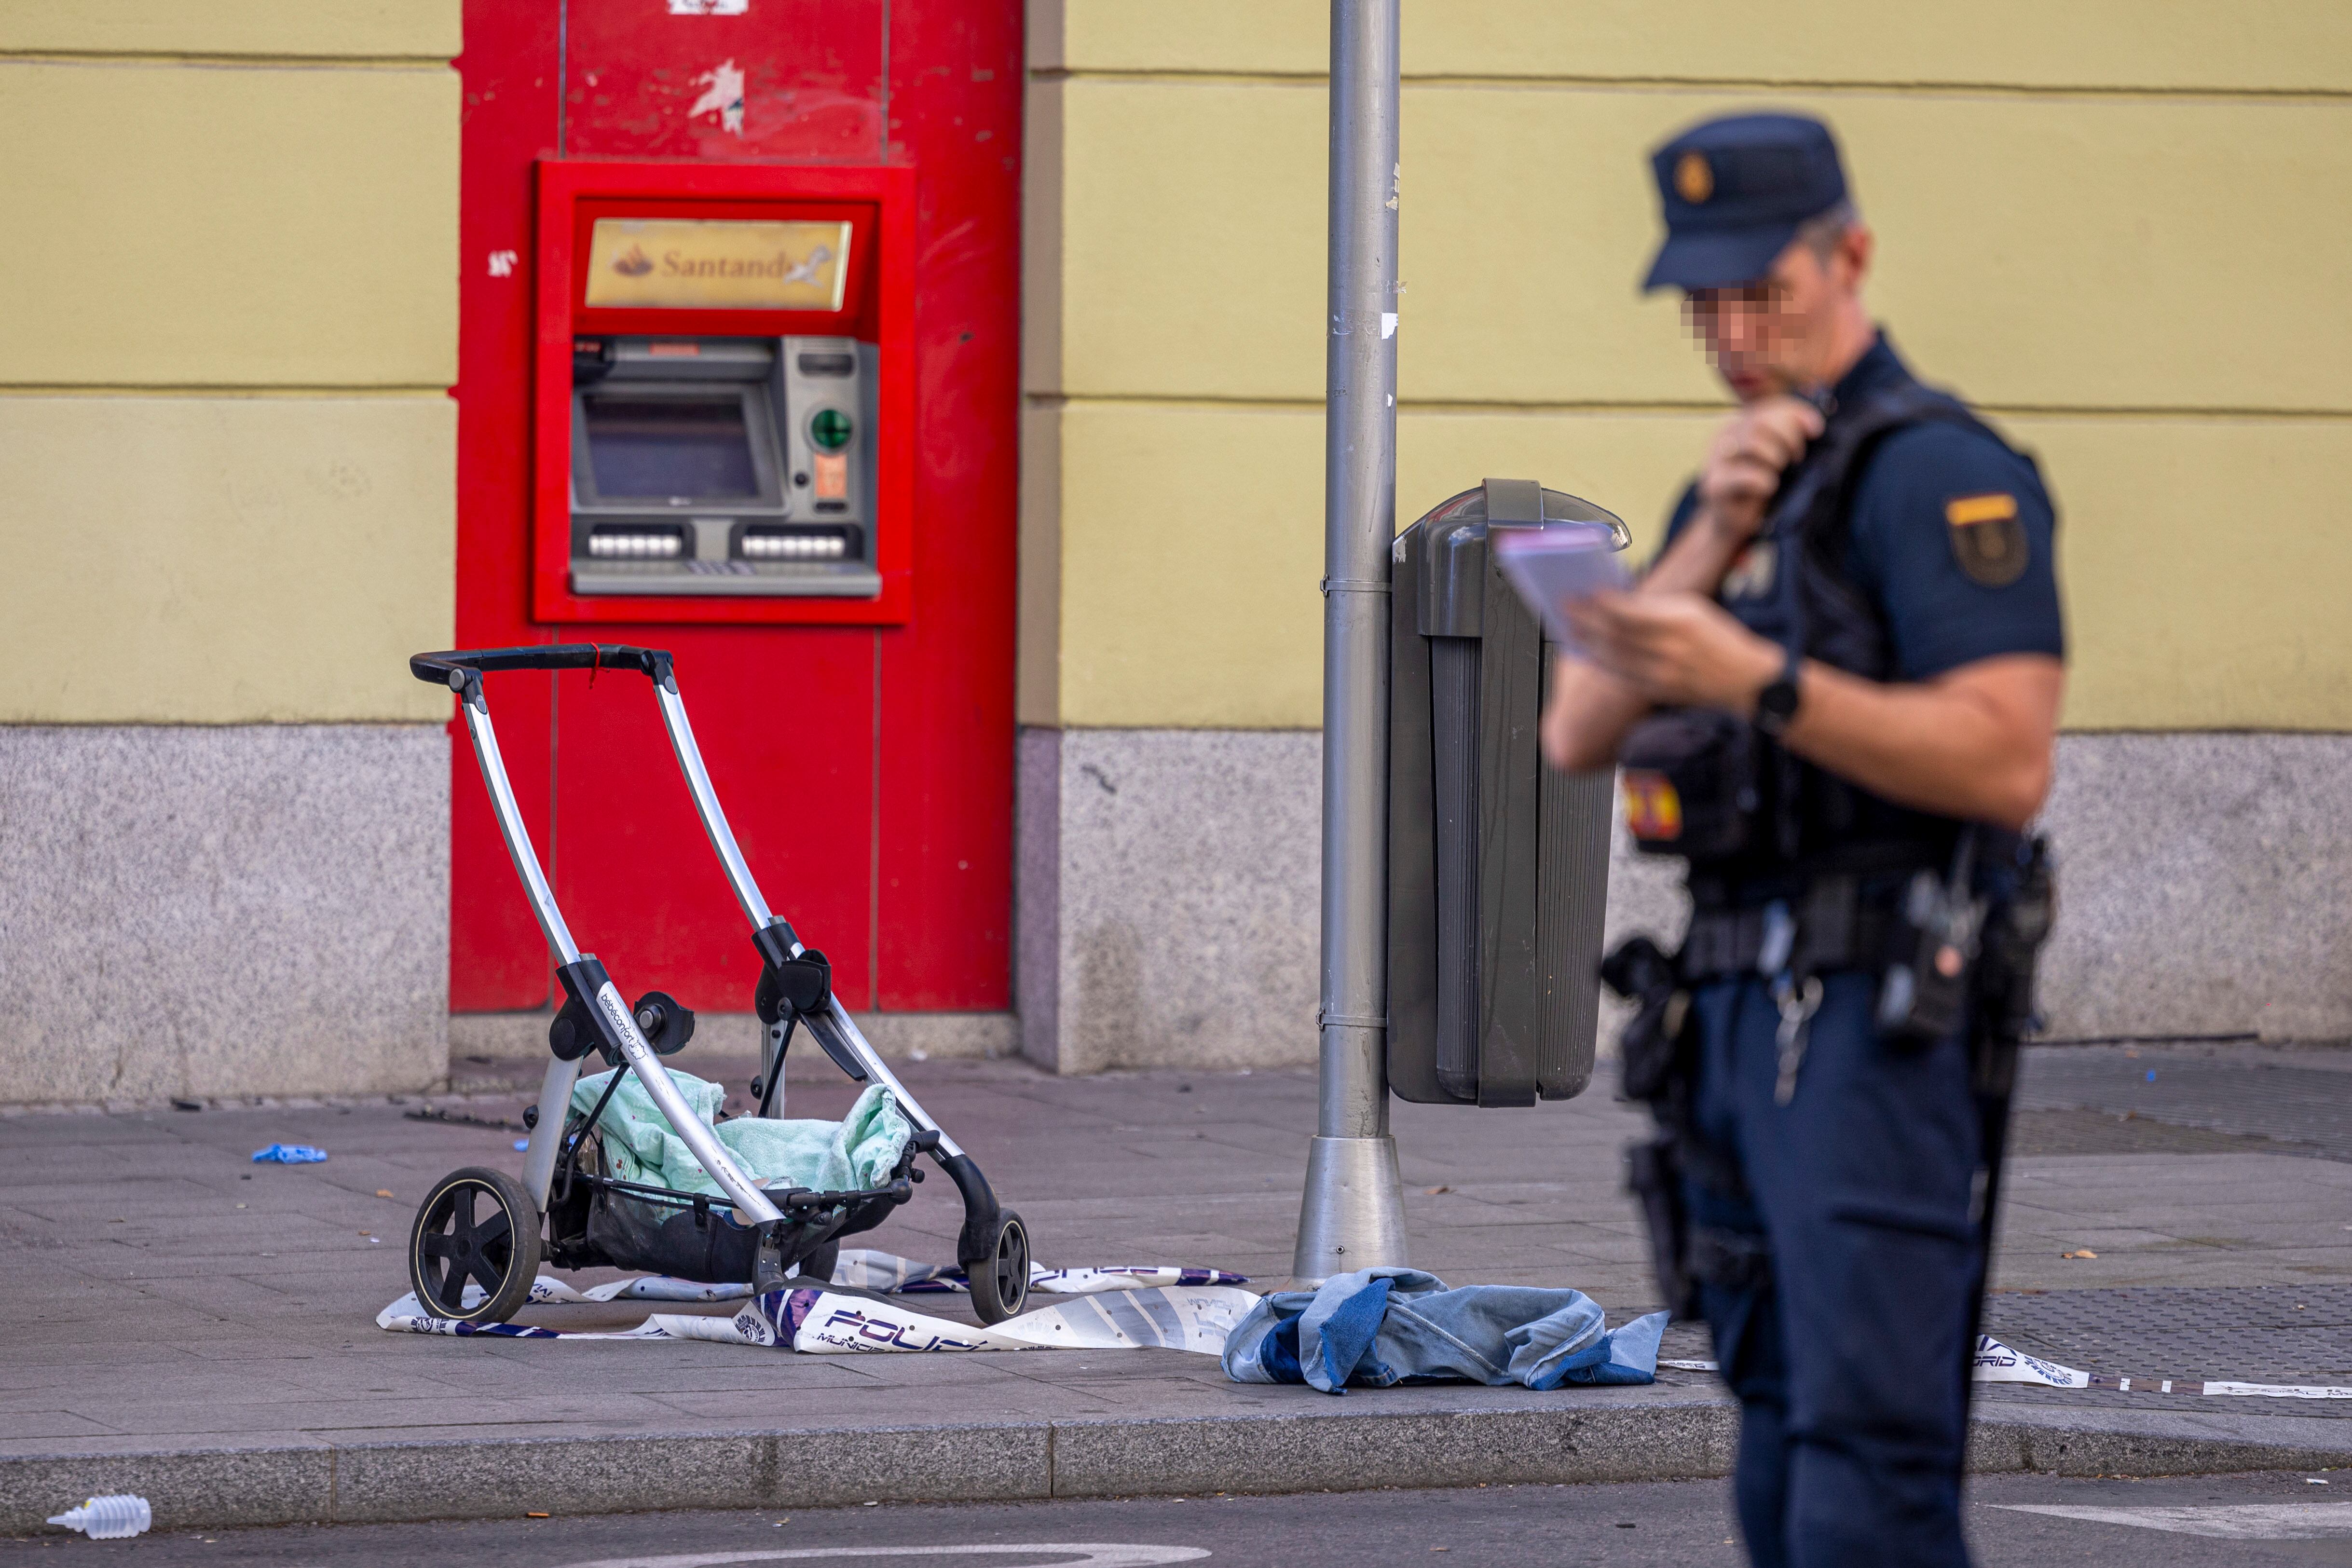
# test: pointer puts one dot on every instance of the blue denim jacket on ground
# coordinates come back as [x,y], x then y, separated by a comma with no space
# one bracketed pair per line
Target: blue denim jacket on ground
[1378,1327]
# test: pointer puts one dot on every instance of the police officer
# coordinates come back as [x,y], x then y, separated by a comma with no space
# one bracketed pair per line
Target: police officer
[1835,693]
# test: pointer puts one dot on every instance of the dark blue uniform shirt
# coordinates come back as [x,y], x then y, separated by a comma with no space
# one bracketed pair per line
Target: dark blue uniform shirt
[1904,547]
[1948,590]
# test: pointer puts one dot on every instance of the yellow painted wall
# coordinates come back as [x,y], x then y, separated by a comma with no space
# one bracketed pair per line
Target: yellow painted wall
[2112,226]
[229,225]
[366,31]
[2185,611]
[225,560]
[227,465]
[2133,45]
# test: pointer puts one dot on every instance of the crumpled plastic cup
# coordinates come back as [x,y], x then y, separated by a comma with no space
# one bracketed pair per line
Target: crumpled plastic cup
[289,1154]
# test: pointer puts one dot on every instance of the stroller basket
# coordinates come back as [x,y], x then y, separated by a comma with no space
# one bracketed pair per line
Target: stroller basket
[484,1228]
[688,1236]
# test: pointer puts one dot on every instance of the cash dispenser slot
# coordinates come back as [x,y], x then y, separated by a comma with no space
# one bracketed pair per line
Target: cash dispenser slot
[638,541]
[722,466]
[784,541]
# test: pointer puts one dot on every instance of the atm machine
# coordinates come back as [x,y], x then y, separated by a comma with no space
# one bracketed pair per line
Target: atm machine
[723,394]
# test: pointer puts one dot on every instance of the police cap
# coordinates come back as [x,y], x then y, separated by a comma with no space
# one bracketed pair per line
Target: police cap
[1735,191]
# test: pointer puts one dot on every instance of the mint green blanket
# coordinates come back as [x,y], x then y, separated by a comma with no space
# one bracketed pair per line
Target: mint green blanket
[853,1154]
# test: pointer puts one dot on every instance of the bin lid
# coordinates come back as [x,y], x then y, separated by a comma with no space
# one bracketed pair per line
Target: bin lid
[1513,502]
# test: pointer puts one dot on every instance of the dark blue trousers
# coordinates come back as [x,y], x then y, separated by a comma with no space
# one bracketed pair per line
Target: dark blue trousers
[1848,1359]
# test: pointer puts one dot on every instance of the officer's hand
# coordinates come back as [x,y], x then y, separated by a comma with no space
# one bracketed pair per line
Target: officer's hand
[1676,648]
[1744,467]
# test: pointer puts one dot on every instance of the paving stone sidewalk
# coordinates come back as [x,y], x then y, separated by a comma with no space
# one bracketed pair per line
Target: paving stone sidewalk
[2222,1248]
[163,1294]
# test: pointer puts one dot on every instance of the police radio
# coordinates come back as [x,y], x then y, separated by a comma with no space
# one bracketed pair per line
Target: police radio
[1924,993]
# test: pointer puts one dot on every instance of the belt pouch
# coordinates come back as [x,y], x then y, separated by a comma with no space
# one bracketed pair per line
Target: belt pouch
[1690,784]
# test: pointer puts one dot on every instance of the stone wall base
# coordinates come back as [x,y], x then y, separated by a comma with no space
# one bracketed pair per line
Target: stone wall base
[224,912]
[1167,889]
[212,912]
[1168,893]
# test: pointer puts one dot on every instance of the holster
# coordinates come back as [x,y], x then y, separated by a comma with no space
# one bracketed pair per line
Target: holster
[1655,1056]
[1654,1176]
[1651,1048]
[2010,950]
[2011,945]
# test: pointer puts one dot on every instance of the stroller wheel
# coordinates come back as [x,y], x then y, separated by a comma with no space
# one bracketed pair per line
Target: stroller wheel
[476,1227]
[1000,1281]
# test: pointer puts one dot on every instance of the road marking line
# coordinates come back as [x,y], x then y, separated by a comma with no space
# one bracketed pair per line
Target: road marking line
[2229,1521]
[1096,1554]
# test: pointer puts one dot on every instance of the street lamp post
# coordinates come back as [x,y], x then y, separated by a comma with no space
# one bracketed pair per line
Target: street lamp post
[1351,1214]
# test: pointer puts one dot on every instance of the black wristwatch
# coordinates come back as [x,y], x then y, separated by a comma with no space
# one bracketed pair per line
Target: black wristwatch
[1775,705]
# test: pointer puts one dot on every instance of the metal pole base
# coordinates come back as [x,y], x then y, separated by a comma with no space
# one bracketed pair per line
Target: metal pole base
[1352,1215]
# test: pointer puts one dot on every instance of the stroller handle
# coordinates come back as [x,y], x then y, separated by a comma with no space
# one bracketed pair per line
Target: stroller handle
[446,669]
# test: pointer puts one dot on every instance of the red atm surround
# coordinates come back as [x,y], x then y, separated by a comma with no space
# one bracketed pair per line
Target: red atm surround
[866,763]
[879,307]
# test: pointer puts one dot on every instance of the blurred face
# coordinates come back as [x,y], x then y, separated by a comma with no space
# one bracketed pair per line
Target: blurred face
[1793,329]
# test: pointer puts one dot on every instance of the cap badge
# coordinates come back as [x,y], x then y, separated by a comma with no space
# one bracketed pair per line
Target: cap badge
[1694,180]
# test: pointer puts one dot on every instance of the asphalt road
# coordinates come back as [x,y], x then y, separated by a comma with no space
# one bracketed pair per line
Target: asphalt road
[2203,1520]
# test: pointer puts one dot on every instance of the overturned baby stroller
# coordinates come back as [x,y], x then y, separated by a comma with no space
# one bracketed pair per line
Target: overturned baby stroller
[480,1228]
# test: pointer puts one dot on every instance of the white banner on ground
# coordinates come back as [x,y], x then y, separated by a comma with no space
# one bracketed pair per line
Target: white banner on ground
[2266,1390]
[1997,1363]
[820,1321]
[866,1270]
[893,1275]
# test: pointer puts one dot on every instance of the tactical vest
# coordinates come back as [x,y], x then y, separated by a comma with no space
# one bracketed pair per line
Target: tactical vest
[1706,786]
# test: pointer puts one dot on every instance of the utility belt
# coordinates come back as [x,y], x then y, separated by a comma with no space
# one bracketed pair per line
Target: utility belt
[1833,925]
[1962,944]
[1919,933]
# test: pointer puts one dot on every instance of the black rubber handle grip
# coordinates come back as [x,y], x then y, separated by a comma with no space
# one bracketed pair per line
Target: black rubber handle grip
[437,668]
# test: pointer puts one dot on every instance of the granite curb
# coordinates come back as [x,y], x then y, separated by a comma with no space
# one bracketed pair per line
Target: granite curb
[1349,1448]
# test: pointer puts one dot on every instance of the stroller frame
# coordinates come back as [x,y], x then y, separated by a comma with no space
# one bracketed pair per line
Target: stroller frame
[501,1250]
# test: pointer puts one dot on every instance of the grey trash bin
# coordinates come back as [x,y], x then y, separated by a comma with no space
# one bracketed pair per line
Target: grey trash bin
[1499,866]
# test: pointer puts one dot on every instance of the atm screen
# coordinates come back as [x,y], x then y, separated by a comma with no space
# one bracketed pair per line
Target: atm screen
[697,447]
